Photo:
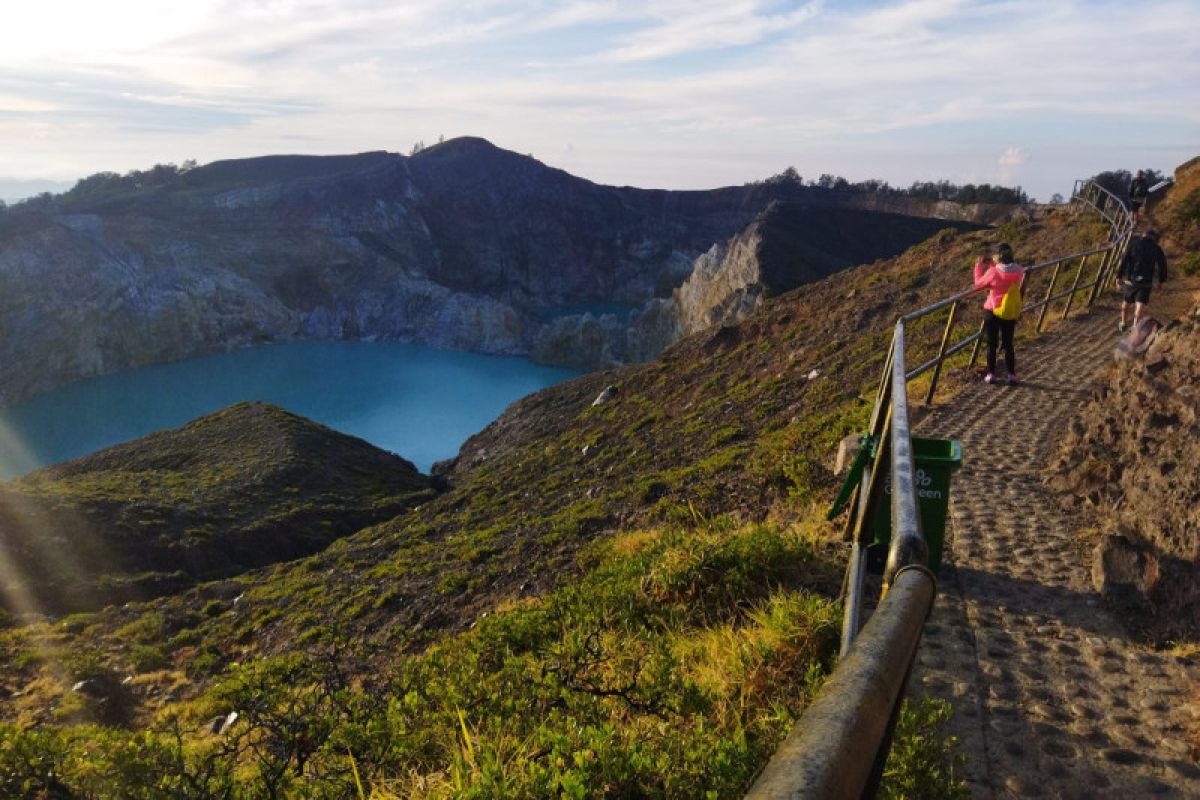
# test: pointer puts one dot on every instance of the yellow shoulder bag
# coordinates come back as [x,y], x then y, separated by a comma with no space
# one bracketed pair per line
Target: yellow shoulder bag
[1010,304]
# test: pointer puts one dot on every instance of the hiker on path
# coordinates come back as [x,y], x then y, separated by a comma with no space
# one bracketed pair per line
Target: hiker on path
[1137,275]
[1139,190]
[999,276]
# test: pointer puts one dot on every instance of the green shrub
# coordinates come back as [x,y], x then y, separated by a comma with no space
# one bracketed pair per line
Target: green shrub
[206,663]
[1187,213]
[671,668]
[29,762]
[147,658]
[214,608]
[149,627]
[923,762]
[1190,265]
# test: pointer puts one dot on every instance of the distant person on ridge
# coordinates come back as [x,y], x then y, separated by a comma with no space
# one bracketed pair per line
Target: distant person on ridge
[1137,275]
[999,322]
[1139,190]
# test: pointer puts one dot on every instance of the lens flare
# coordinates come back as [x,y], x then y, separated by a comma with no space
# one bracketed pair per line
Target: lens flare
[15,457]
[50,553]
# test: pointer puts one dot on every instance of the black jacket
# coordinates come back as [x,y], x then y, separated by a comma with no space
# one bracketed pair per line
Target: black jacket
[1139,188]
[1143,256]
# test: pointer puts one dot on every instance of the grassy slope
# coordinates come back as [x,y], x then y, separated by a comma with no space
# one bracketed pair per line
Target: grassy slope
[246,486]
[670,478]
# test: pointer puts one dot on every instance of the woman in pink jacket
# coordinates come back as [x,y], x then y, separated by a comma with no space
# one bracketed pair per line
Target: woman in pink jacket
[997,276]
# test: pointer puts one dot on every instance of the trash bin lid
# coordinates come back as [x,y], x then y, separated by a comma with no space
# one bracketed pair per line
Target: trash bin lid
[937,452]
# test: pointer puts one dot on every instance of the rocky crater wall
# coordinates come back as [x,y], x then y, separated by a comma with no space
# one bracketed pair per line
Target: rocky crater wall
[463,246]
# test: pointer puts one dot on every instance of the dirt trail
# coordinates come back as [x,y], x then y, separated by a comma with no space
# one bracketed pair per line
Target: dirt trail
[1051,697]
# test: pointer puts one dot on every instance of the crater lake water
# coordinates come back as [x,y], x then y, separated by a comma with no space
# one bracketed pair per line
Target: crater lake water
[412,400]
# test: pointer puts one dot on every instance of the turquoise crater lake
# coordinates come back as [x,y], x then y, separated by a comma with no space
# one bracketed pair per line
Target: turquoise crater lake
[412,400]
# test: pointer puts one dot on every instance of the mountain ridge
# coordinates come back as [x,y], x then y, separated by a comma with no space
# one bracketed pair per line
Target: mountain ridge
[462,246]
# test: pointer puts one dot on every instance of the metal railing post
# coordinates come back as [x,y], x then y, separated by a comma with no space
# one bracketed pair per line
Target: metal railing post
[908,546]
[937,370]
[975,347]
[1101,275]
[1049,292]
[1074,286]
[1114,264]
[1114,269]
[852,614]
[860,523]
[871,490]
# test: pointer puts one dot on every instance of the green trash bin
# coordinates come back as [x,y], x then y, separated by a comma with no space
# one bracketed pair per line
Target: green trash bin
[933,461]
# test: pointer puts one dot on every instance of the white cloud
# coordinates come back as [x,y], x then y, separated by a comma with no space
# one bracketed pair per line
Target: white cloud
[700,26]
[668,92]
[1013,157]
[24,105]
[1010,162]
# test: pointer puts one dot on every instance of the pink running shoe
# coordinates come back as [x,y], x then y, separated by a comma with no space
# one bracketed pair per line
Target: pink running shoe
[989,378]
[1012,379]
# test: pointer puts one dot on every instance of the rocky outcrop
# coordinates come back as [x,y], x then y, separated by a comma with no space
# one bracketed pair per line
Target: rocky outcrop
[789,245]
[1130,460]
[975,213]
[726,284]
[462,246]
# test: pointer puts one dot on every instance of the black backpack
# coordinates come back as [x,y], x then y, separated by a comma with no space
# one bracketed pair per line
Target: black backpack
[1141,262]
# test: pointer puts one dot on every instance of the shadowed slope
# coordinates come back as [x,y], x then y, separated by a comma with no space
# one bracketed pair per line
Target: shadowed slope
[246,486]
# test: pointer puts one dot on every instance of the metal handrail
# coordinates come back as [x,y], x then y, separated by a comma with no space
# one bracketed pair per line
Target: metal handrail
[840,745]
[1089,192]
[947,349]
[963,295]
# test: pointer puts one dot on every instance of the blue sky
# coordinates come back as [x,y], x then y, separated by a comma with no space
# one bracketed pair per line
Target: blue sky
[655,93]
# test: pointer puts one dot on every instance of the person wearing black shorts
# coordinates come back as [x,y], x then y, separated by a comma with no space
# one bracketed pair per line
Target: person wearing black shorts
[1137,275]
[1139,190]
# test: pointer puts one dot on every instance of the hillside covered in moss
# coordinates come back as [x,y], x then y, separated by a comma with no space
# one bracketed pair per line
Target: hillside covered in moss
[241,488]
[626,589]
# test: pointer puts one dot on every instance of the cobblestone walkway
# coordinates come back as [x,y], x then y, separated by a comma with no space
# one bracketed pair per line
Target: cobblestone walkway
[1051,698]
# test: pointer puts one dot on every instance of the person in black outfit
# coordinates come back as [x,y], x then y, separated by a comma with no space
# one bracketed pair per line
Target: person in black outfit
[1139,190]
[1137,274]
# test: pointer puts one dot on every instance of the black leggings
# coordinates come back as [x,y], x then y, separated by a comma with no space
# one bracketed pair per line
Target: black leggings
[997,329]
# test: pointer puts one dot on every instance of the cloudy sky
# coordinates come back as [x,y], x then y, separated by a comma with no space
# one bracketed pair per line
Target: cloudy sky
[653,93]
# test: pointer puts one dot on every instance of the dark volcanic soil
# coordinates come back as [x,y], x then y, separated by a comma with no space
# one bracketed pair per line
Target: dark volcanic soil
[1131,459]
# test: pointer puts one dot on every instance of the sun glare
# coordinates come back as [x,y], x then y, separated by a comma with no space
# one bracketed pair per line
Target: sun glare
[15,458]
[79,31]
[38,540]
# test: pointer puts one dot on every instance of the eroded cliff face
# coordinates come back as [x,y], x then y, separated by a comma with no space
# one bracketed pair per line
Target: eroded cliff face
[78,299]
[789,245]
[463,246]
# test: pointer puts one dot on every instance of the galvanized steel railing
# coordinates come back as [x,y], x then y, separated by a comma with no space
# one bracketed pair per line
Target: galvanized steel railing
[839,746]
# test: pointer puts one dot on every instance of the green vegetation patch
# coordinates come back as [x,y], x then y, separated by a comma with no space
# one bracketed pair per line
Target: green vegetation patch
[1190,265]
[672,669]
[1187,212]
[924,762]
[245,486]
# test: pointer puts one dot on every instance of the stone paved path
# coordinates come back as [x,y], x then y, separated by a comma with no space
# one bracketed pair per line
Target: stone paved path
[1051,698]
